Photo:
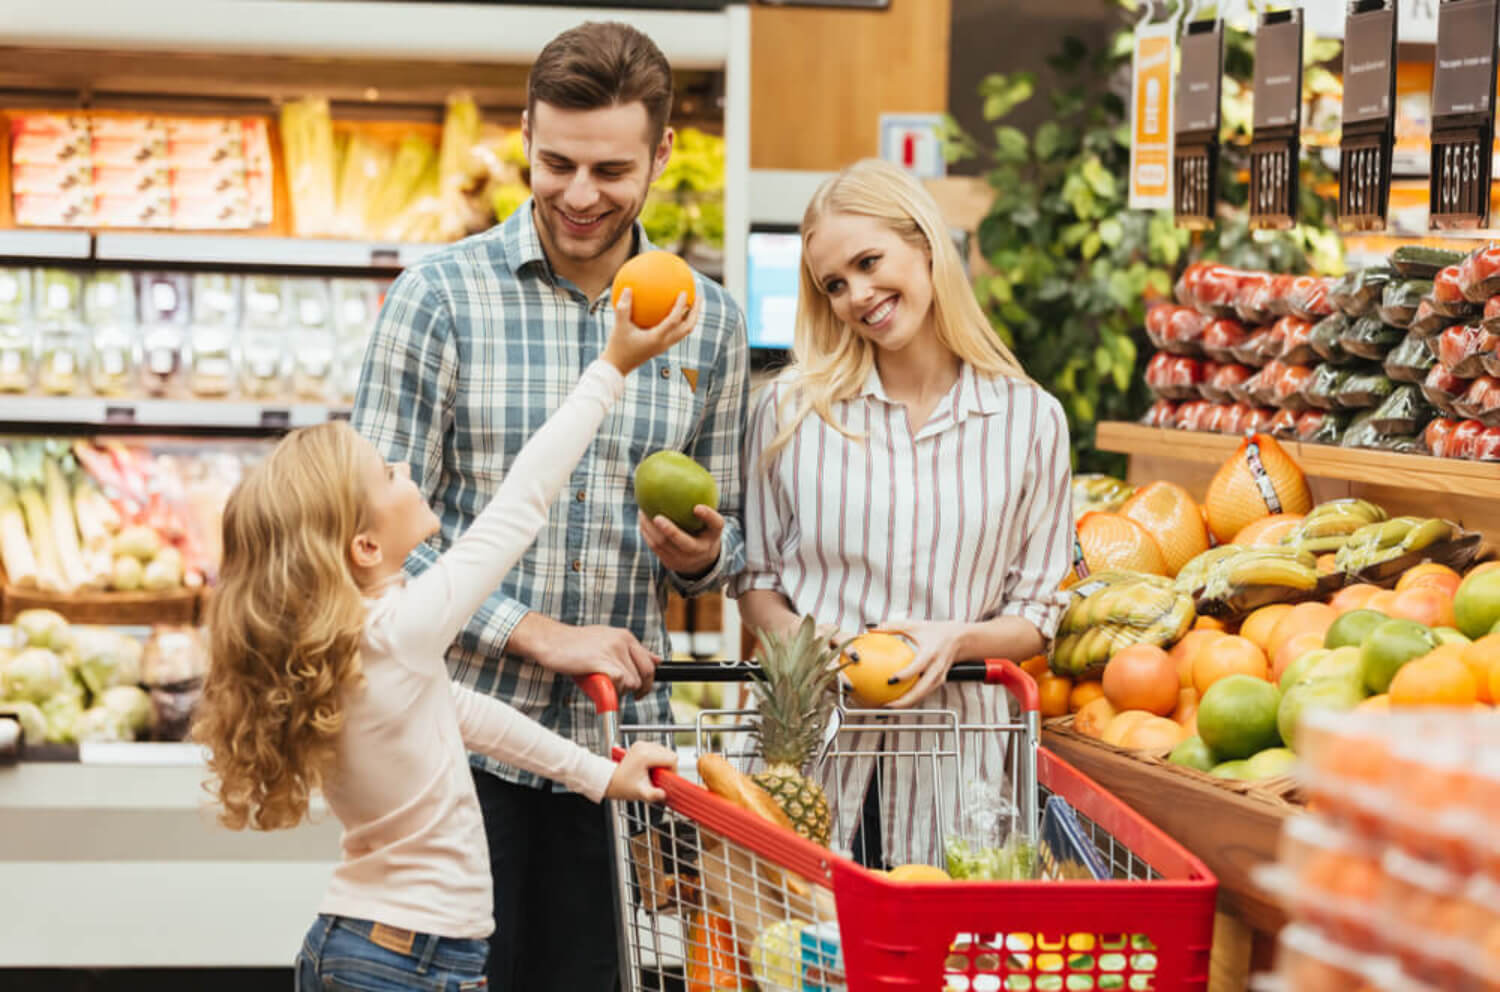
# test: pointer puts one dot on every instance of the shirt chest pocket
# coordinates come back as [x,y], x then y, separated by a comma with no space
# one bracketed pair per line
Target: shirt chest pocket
[661,410]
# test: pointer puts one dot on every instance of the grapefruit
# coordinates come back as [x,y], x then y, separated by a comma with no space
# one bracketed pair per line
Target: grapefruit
[1476,605]
[1193,753]
[1322,694]
[1259,625]
[1388,647]
[1170,515]
[1294,648]
[1155,733]
[670,484]
[1258,480]
[1186,650]
[1237,716]
[1142,677]
[654,278]
[1430,573]
[1426,604]
[1352,597]
[1351,628]
[1268,531]
[1483,658]
[1113,542]
[1229,655]
[1303,618]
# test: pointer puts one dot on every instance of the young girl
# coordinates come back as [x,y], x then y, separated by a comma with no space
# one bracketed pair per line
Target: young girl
[903,474]
[327,674]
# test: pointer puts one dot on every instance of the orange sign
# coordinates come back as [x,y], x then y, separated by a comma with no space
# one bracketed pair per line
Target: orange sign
[1151,119]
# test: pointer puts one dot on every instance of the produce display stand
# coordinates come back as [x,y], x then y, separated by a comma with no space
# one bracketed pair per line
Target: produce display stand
[1234,826]
[172,606]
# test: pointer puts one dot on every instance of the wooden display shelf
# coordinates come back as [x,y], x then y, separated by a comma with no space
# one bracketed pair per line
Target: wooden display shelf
[172,606]
[1231,829]
[1437,475]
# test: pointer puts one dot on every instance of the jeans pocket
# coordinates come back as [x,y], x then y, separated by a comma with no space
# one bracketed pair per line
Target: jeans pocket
[358,975]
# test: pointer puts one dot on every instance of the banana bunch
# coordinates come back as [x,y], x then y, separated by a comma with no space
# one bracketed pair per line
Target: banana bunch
[1378,542]
[1261,567]
[1113,610]
[1093,491]
[1194,575]
[1328,525]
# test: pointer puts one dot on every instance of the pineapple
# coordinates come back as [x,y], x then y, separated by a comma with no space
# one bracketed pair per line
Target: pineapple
[795,700]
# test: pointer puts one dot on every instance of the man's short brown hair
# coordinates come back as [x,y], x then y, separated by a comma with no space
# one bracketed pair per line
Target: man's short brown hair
[602,64]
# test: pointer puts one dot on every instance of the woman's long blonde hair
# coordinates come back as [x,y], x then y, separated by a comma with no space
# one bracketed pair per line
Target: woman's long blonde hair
[831,360]
[284,624]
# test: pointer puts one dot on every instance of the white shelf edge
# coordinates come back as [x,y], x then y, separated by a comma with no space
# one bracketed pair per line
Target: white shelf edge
[106,412]
[21,243]
[458,32]
[780,196]
[231,249]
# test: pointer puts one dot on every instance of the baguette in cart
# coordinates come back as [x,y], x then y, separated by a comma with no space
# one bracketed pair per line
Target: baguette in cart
[716,891]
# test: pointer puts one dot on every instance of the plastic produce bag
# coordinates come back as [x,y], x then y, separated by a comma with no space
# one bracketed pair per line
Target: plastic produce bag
[1399,301]
[1323,388]
[1295,335]
[1410,360]
[1437,435]
[1174,377]
[1487,445]
[1162,413]
[1307,297]
[1320,427]
[1448,296]
[1462,349]
[1288,388]
[1428,322]
[1221,337]
[1479,274]
[1404,412]
[1094,491]
[1442,389]
[1358,293]
[1364,390]
[1372,338]
[1284,425]
[1255,349]
[1252,300]
[1111,610]
[1481,401]
[1326,338]
[1221,382]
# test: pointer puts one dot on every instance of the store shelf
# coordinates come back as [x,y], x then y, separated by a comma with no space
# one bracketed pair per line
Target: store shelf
[230,249]
[103,412]
[45,244]
[1436,475]
[480,33]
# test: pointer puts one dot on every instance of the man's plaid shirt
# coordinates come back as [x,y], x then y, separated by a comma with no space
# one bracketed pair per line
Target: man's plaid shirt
[475,347]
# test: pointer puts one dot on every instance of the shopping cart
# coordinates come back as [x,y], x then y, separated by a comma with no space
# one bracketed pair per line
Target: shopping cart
[714,898]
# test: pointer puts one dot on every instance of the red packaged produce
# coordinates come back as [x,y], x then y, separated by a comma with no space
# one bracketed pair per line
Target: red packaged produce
[1281,294]
[1252,300]
[1448,295]
[1487,445]
[1481,401]
[1190,415]
[1295,334]
[1221,381]
[1429,321]
[1231,418]
[1214,288]
[1307,297]
[1253,349]
[1462,348]
[1257,420]
[1184,331]
[1221,337]
[1158,315]
[1156,371]
[1261,390]
[1309,422]
[1284,424]
[1289,387]
[1162,413]
[1479,274]
[1184,376]
[1213,417]
[1442,389]
[1437,435]
[1462,441]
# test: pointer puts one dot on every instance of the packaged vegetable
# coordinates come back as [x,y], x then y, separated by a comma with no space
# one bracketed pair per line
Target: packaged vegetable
[1360,433]
[1436,435]
[1175,377]
[1410,360]
[1428,322]
[1448,296]
[1323,388]
[1254,349]
[1481,401]
[1190,415]
[1162,413]
[1479,274]
[1307,297]
[1295,335]
[1319,427]
[1363,389]
[315,339]
[1423,262]
[1462,349]
[1221,337]
[1487,445]
[1289,386]
[1210,287]
[1358,293]
[1372,338]
[1326,337]
[1284,425]
[1404,412]
[1399,301]
[1252,299]
[1461,443]
[1442,389]
[1220,381]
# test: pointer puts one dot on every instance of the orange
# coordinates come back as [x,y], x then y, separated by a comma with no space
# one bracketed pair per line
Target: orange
[1378,703]
[1122,724]
[1084,693]
[1258,626]
[1229,655]
[1426,604]
[1209,623]
[1293,648]
[1142,677]
[874,658]
[1054,695]
[1483,659]
[1495,681]
[1353,597]
[1381,601]
[1155,733]
[654,278]
[1268,531]
[1036,667]
[1301,619]
[1429,573]
[1186,712]
[1185,650]
[1327,564]
[1237,495]
[1435,679]
[1092,718]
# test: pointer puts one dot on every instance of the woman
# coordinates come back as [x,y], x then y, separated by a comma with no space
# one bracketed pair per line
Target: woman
[904,474]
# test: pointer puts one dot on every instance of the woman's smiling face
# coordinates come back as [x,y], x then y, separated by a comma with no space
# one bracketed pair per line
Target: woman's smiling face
[878,283]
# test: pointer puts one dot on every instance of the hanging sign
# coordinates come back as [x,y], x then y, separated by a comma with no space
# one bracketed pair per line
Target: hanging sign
[1195,154]
[1151,118]
[1276,141]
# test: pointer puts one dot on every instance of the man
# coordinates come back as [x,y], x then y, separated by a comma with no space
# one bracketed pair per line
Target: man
[475,347]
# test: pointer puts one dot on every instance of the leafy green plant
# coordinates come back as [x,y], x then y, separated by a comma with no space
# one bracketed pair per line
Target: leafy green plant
[1070,269]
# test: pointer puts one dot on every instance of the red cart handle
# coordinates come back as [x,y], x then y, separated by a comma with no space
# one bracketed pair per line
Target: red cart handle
[601,690]
[1002,671]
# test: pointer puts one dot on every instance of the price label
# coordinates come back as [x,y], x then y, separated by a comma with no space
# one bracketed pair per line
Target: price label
[114,414]
[275,418]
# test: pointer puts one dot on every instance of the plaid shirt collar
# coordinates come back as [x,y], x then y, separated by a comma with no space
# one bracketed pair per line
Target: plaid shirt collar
[521,244]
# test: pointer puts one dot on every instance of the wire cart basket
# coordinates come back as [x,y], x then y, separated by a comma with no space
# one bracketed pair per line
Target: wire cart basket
[714,898]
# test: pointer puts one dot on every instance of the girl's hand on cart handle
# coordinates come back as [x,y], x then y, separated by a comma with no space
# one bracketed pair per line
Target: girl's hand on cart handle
[939,644]
[632,778]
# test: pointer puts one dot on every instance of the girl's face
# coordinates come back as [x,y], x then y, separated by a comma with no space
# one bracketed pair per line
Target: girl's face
[399,518]
[878,284]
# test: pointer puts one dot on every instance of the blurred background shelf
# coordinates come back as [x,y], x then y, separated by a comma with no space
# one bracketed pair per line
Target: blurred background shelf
[97,412]
[213,249]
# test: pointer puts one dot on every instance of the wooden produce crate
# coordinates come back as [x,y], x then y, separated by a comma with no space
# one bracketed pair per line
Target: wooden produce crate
[172,606]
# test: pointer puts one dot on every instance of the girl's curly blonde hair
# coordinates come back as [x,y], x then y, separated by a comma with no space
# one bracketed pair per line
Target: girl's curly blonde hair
[284,627]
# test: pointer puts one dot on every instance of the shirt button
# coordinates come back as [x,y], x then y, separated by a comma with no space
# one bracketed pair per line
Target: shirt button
[577,565]
[581,495]
[666,372]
